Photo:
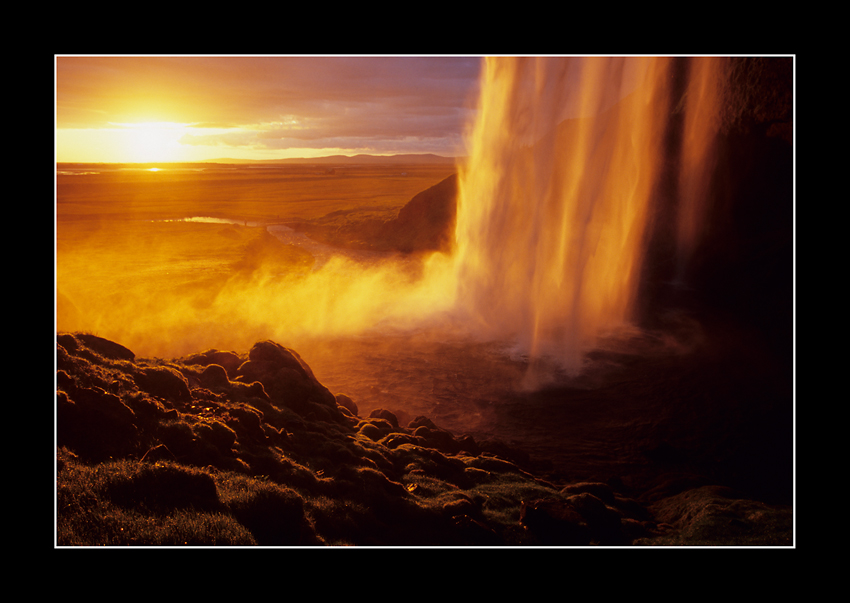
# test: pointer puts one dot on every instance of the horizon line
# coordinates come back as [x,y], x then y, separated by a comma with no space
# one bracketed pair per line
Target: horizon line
[275,160]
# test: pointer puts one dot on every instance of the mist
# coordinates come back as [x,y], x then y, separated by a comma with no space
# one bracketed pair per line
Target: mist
[555,218]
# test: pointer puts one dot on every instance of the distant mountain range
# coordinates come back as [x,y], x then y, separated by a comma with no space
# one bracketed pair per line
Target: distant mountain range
[408,158]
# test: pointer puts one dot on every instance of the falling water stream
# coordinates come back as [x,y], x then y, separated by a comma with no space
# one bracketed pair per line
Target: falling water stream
[556,202]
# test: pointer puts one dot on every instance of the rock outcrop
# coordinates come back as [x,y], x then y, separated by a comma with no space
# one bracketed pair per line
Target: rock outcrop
[266,422]
[262,453]
[425,224]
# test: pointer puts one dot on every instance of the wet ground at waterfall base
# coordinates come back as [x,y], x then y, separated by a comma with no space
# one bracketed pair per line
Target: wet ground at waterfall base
[652,411]
[668,438]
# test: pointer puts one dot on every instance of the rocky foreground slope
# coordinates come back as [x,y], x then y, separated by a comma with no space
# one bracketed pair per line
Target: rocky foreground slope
[244,449]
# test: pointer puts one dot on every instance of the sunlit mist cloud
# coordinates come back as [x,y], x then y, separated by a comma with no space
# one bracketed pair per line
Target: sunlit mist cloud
[265,106]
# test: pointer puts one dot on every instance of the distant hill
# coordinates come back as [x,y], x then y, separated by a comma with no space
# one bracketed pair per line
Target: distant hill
[425,158]
[403,159]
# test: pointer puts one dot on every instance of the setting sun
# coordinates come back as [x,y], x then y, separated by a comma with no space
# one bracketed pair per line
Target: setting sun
[152,141]
[146,142]
[141,142]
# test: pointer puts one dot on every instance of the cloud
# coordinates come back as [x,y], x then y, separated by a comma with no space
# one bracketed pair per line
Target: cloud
[278,102]
[264,140]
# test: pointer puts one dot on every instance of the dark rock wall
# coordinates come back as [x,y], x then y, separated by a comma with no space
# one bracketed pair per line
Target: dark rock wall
[742,268]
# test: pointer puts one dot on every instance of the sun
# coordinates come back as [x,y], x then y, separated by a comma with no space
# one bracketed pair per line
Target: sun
[147,142]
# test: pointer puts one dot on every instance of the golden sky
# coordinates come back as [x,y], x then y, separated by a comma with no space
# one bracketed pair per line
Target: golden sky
[192,108]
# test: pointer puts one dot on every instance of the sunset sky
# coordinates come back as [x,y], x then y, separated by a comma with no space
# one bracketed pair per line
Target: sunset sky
[192,108]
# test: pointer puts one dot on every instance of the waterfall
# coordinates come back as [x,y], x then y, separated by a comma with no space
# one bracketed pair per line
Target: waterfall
[557,197]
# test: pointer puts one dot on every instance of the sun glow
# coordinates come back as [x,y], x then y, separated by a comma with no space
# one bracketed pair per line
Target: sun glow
[152,141]
[165,142]
[126,142]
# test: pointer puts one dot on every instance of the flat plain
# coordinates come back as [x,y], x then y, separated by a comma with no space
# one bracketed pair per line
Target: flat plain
[129,236]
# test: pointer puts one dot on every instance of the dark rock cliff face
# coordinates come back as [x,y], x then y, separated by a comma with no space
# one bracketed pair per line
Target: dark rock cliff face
[427,222]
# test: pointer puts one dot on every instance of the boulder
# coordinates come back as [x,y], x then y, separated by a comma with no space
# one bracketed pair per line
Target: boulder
[214,375]
[346,402]
[230,361]
[426,222]
[380,413]
[717,515]
[67,341]
[440,439]
[94,423]
[286,378]
[105,347]
[165,382]
[373,432]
